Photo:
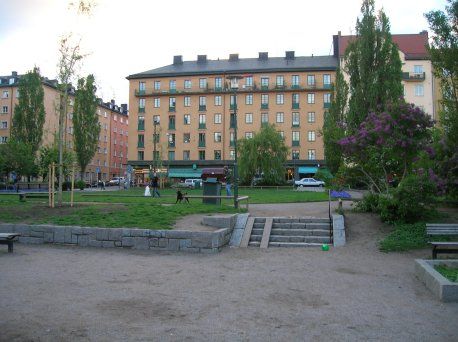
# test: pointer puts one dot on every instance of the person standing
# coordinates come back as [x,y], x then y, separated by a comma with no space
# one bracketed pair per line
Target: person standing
[155,184]
[228,176]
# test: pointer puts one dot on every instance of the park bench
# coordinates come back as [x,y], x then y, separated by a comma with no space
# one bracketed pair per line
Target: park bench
[8,239]
[442,247]
[33,194]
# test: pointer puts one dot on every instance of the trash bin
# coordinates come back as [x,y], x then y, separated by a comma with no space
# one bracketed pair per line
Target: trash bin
[212,188]
[197,184]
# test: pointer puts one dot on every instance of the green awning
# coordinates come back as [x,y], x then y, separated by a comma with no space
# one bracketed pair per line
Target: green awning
[185,173]
[308,169]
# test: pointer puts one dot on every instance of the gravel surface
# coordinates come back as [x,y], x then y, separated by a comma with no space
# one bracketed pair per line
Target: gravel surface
[53,293]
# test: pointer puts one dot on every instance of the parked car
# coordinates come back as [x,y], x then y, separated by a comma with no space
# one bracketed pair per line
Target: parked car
[116,181]
[308,182]
[193,182]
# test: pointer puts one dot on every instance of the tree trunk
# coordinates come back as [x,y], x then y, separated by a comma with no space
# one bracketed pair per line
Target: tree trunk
[62,116]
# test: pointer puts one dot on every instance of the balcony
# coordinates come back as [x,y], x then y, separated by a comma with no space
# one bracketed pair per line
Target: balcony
[140,92]
[233,107]
[264,106]
[201,143]
[264,87]
[171,125]
[280,86]
[172,109]
[202,108]
[141,126]
[295,143]
[311,86]
[413,76]
[141,109]
[172,91]
[295,106]
[172,144]
[295,86]
[327,85]
[296,124]
[327,105]
[141,144]
[202,125]
[218,89]
[232,143]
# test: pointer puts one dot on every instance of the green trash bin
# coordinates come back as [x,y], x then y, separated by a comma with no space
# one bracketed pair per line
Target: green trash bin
[212,188]
[197,184]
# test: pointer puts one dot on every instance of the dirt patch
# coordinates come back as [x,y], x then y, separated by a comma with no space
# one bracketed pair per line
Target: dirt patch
[193,223]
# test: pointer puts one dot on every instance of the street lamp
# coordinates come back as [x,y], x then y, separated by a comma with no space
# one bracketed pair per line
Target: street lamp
[156,121]
[234,87]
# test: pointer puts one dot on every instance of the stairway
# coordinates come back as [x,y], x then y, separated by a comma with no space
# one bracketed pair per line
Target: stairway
[288,232]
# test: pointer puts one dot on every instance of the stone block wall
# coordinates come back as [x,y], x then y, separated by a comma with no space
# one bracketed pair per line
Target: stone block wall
[145,239]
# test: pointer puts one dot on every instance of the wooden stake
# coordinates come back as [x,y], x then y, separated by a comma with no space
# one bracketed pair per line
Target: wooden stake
[49,185]
[73,185]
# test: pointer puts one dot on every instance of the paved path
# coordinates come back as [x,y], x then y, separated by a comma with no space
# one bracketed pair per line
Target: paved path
[352,293]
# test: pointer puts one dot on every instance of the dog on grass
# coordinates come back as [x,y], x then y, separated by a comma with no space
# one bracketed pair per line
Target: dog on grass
[181,196]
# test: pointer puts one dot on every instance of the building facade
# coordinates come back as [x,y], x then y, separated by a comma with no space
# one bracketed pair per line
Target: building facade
[111,156]
[190,106]
[418,80]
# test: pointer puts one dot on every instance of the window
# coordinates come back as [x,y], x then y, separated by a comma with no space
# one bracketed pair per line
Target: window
[296,119]
[280,99]
[17,93]
[202,83]
[264,118]
[140,155]
[248,135]
[187,101]
[202,120]
[418,69]
[218,118]
[280,117]
[249,118]
[172,85]
[6,94]
[296,138]
[187,119]
[171,139]
[172,122]
[141,87]
[295,154]
[295,80]
[171,155]
[187,84]
[157,85]
[311,117]
[186,155]
[295,98]
[218,83]
[4,125]
[327,98]
[172,103]
[311,135]
[249,81]
[141,141]
[217,154]
[156,119]
[141,107]
[264,99]
[311,98]
[249,99]
[419,90]
[232,154]
[311,80]
[4,109]
[186,138]
[311,154]
[141,124]
[280,81]
[202,102]
[201,139]
[217,136]
[201,155]
[231,138]
[218,101]
[326,80]
[157,102]
[282,134]
[264,82]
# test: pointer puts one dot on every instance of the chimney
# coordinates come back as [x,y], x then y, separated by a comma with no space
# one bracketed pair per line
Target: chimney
[14,73]
[178,59]
[289,55]
[201,58]
[233,57]
[263,56]
[113,102]
[124,107]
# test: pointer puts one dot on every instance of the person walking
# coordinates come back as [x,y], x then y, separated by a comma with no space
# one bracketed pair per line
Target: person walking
[228,176]
[155,185]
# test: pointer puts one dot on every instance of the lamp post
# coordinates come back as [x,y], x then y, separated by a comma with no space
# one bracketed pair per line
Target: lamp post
[155,123]
[234,87]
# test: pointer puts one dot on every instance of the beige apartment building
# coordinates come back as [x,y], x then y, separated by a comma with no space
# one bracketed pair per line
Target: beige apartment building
[191,107]
[111,157]
[420,85]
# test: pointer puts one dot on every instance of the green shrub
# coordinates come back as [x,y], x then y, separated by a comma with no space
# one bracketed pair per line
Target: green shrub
[369,203]
[325,176]
[405,237]
[79,184]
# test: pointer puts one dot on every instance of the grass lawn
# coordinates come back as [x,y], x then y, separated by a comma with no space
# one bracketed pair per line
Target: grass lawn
[451,273]
[130,208]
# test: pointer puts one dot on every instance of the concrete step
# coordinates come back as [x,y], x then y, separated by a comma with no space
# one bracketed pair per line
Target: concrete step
[257,231]
[254,243]
[307,239]
[293,244]
[299,225]
[301,220]
[259,225]
[255,238]
[300,232]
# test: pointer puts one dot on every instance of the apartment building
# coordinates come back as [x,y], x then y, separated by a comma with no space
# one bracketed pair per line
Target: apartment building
[420,85]
[191,107]
[110,159]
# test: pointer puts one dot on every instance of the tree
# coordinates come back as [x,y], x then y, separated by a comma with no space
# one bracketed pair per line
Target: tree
[29,113]
[16,156]
[85,122]
[373,65]
[333,127]
[387,143]
[49,155]
[444,57]
[264,154]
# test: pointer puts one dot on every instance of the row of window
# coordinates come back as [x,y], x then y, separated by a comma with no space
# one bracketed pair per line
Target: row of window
[279,100]
[6,94]
[248,80]
[311,155]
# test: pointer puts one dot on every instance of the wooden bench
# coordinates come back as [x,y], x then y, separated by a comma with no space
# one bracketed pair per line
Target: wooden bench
[8,239]
[239,199]
[24,195]
[442,247]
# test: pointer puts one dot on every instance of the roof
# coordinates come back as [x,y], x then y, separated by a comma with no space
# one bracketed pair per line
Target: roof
[240,66]
[412,45]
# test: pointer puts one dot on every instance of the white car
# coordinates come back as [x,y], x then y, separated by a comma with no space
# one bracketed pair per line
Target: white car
[116,181]
[192,182]
[308,182]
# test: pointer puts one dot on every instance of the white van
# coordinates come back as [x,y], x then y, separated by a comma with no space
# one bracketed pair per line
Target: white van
[193,182]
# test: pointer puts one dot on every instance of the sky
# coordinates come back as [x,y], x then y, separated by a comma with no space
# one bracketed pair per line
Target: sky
[121,37]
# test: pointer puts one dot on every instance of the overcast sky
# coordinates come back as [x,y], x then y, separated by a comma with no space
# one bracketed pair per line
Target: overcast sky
[126,37]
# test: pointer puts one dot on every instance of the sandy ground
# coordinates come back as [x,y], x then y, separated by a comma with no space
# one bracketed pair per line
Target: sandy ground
[52,293]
